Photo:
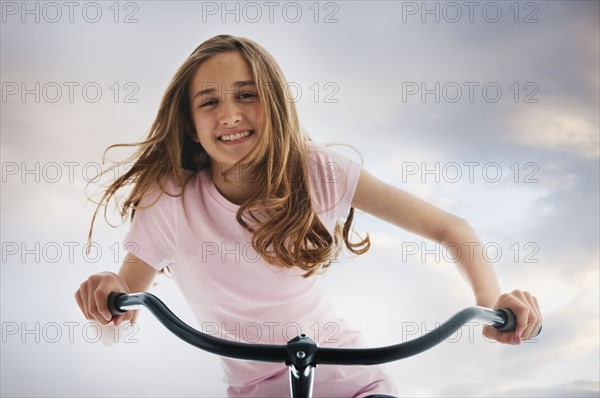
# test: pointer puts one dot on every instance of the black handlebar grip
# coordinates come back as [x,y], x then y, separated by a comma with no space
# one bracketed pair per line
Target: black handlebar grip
[112,303]
[510,321]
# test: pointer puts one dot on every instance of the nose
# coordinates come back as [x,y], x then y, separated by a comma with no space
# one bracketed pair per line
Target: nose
[230,113]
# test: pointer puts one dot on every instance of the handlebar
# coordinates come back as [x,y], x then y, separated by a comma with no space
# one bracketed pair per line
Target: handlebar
[302,354]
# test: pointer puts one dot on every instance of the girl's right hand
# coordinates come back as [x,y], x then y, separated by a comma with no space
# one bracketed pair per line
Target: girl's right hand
[92,297]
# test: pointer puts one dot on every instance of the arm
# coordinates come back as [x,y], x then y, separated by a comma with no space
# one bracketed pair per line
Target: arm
[407,211]
[135,275]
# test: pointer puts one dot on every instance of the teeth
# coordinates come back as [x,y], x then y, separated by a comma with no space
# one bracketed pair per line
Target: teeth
[237,136]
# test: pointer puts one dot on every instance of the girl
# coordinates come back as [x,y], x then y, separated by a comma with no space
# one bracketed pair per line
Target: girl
[244,211]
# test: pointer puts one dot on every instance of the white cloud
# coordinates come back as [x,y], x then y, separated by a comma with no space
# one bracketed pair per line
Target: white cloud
[577,388]
[558,128]
[369,54]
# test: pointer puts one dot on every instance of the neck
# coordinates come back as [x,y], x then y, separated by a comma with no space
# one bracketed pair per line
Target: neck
[235,186]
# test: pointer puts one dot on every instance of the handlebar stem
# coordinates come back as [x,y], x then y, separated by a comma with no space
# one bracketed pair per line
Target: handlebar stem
[301,381]
[302,352]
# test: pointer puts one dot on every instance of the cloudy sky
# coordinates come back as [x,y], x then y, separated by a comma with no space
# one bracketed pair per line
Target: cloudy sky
[487,109]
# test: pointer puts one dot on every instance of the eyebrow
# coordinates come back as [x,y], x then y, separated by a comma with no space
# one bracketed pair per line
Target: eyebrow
[211,90]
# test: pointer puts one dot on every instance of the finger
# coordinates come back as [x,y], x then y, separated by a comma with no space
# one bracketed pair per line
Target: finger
[536,308]
[102,304]
[78,299]
[492,333]
[83,296]
[532,320]
[522,312]
[128,316]
[535,317]
[93,309]
[488,333]
[117,319]
[539,311]
[538,329]
[516,302]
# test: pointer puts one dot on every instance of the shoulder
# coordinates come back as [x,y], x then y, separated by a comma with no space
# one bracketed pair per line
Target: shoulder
[333,177]
[326,165]
[166,190]
[320,150]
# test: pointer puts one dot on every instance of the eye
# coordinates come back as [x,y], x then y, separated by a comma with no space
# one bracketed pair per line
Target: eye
[207,103]
[247,96]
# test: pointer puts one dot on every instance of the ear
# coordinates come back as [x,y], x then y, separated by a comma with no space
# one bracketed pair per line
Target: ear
[190,130]
[193,136]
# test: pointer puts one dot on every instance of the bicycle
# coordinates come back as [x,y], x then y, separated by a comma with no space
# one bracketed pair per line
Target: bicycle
[302,354]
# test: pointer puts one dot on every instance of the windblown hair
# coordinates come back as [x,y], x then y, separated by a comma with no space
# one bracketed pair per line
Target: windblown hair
[291,234]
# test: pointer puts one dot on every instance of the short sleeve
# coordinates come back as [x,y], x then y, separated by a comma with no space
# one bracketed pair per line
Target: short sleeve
[334,178]
[153,233]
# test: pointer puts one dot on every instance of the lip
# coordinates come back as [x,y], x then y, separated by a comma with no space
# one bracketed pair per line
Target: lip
[232,131]
[235,131]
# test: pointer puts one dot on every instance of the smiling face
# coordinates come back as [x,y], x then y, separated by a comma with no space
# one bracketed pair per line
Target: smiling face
[226,111]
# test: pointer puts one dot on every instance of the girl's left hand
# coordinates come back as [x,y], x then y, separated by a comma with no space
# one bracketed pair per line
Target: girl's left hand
[529,318]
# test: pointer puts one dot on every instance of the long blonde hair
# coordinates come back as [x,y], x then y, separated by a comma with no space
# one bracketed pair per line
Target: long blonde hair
[292,235]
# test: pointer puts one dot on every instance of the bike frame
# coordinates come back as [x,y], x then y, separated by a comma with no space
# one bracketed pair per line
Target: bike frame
[302,354]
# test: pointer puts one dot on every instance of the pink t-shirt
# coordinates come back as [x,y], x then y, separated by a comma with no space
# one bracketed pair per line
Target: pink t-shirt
[236,295]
